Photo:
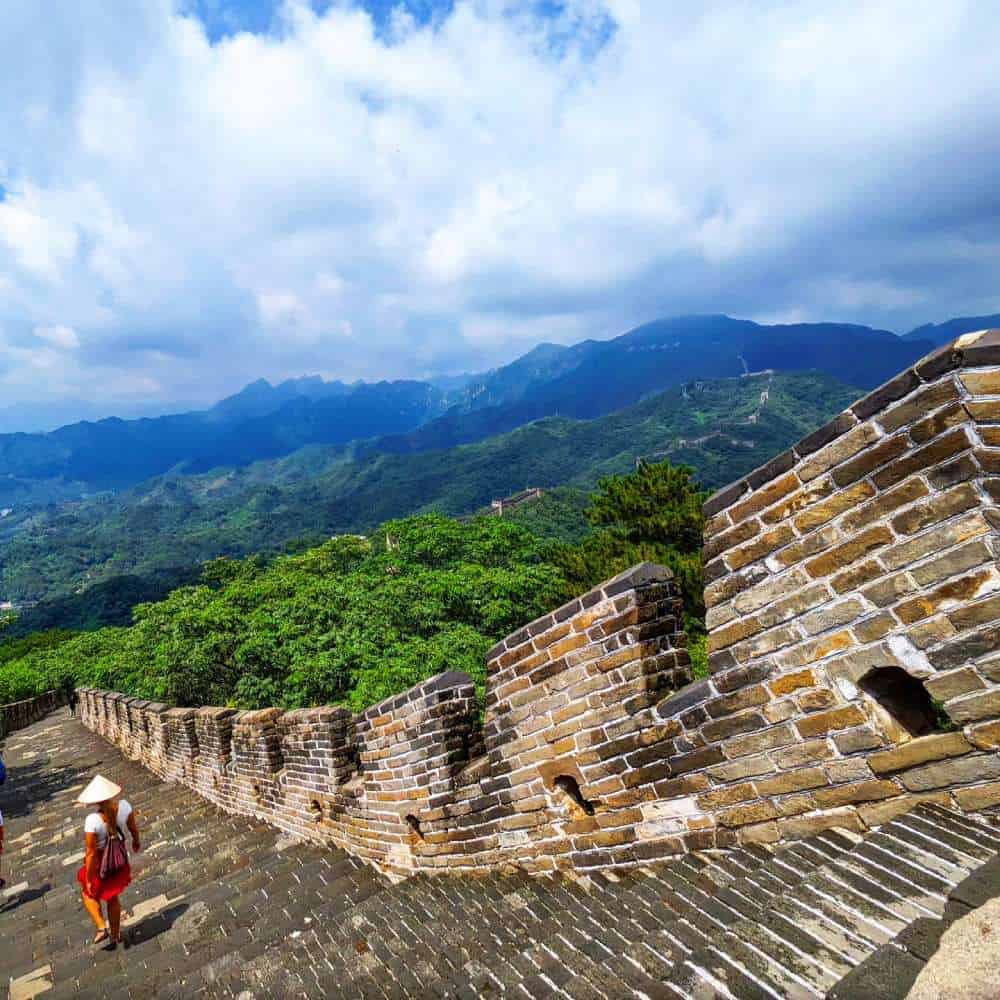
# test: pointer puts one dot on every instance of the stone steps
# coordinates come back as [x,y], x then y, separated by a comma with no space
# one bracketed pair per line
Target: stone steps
[228,907]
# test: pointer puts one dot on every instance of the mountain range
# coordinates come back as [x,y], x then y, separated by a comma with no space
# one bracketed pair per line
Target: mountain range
[584,380]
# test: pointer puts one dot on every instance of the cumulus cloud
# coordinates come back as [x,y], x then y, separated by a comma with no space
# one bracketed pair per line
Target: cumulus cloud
[186,205]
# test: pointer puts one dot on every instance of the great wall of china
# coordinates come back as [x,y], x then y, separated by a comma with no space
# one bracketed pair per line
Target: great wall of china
[854,617]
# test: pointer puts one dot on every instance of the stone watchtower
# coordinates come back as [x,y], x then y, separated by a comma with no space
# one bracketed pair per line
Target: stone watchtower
[854,613]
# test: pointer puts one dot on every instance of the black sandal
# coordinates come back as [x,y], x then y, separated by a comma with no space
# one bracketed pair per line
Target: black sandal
[102,935]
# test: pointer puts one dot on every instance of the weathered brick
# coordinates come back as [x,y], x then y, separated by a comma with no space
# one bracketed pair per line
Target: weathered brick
[748,697]
[943,597]
[800,500]
[814,701]
[770,739]
[732,584]
[756,812]
[779,711]
[958,560]
[713,525]
[727,796]
[816,649]
[959,771]
[760,833]
[761,546]
[937,451]
[736,631]
[796,604]
[890,589]
[985,736]
[790,682]
[877,813]
[875,627]
[833,615]
[849,552]
[981,383]
[805,826]
[826,510]
[761,645]
[870,459]
[724,498]
[792,781]
[966,647]
[954,684]
[939,746]
[950,474]
[733,725]
[980,613]
[937,423]
[830,431]
[857,576]
[814,542]
[862,791]
[744,767]
[839,450]
[972,708]
[764,497]
[917,406]
[938,508]
[906,493]
[743,532]
[768,589]
[856,740]
[839,718]
[879,399]
[930,632]
[943,536]
[980,797]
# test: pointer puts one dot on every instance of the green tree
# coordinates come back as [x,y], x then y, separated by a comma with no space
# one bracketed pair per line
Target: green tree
[651,514]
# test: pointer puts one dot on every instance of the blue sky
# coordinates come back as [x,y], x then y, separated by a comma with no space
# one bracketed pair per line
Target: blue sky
[197,193]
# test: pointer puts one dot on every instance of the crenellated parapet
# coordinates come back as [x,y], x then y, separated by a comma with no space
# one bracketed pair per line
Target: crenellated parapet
[558,776]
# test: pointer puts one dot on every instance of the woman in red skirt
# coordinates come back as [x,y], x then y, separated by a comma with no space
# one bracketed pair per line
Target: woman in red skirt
[112,814]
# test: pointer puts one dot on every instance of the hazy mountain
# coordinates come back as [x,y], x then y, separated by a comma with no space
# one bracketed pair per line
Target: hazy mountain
[941,333]
[584,380]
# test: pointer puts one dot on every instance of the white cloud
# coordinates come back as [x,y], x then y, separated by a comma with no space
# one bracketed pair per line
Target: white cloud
[331,199]
[59,336]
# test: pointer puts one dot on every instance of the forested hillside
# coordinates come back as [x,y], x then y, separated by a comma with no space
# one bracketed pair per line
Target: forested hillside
[722,428]
[357,619]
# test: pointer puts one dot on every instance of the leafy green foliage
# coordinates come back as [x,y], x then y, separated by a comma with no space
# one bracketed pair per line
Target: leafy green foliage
[653,514]
[351,621]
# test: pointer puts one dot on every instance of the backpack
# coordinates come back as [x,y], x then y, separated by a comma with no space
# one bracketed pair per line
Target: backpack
[114,856]
[3,771]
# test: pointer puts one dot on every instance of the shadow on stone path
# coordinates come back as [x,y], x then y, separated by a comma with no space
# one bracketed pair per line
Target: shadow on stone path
[226,906]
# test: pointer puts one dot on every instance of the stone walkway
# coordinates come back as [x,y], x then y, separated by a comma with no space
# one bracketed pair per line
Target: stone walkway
[221,906]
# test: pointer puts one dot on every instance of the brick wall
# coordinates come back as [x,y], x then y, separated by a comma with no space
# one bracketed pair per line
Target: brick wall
[19,714]
[854,618]
[851,583]
[560,773]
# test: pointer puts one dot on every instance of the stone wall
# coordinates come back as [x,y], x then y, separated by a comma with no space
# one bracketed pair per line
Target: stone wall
[559,773]
[854,614]
[19,714]
[854,618]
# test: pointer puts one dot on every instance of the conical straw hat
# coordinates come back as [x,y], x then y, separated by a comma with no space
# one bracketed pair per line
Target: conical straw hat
[99,790]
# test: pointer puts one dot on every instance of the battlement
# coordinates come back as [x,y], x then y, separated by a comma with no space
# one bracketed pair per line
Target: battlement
[854,619]
[554,776]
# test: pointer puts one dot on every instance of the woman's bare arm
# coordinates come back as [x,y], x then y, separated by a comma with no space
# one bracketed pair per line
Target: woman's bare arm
[91,862]
[133,828]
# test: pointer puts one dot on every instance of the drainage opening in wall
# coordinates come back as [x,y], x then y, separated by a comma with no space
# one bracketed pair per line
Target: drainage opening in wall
[316,810]
[568,789]
[906,708]
[414,824]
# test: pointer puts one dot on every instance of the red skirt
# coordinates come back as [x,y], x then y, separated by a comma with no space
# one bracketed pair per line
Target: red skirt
[107,888]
